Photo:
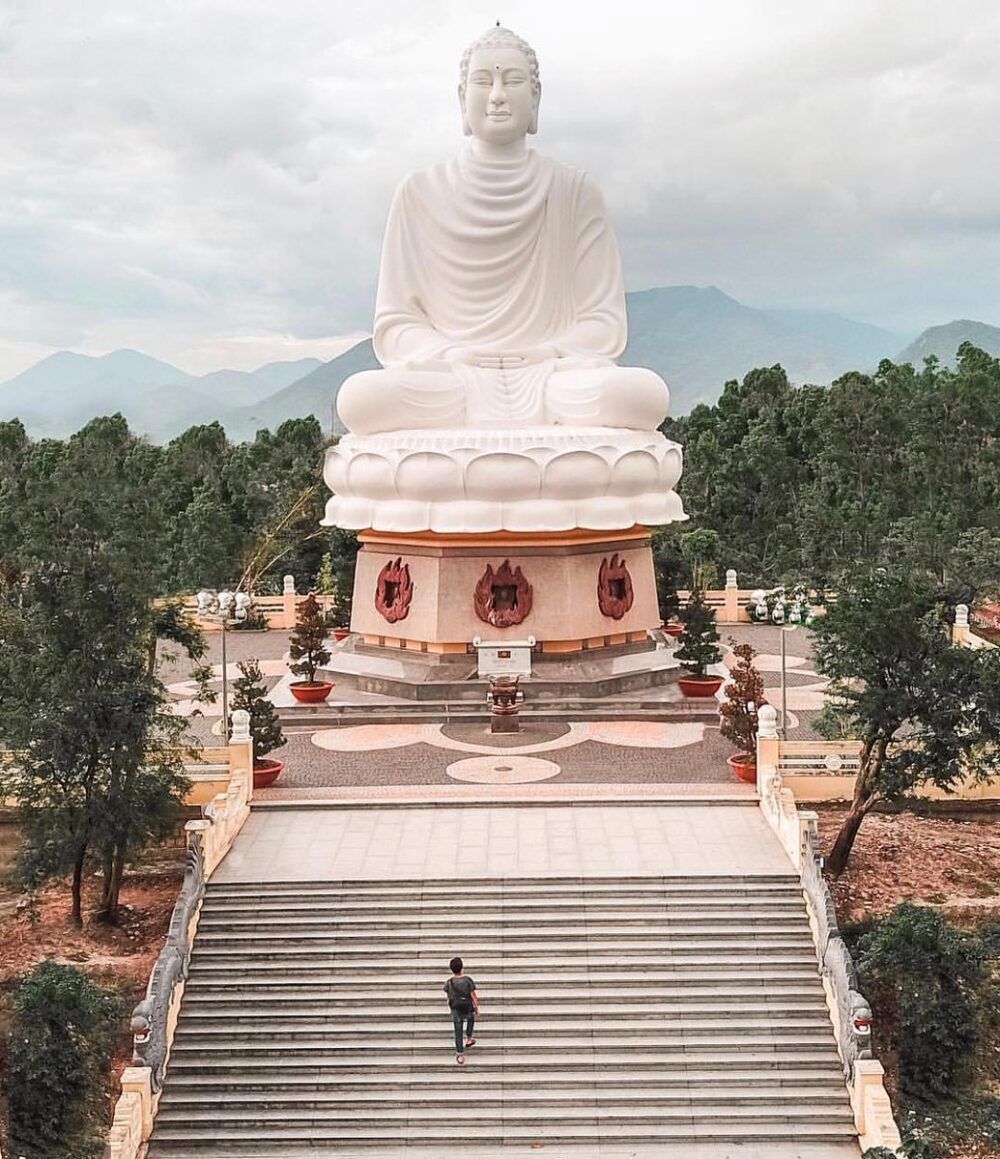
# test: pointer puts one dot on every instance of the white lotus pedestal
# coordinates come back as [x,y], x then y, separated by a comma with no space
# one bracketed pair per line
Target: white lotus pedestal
[573,591]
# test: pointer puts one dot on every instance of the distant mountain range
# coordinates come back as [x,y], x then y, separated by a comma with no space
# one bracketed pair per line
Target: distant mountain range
[696,338]
[943,341]
[64,391]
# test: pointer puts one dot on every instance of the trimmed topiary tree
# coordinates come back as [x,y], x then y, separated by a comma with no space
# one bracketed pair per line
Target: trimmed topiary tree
[744,694]
[307,647]
[61,1041]
[700,643]
[250,694]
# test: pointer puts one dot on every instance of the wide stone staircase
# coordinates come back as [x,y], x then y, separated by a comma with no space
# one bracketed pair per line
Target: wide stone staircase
[644,1010]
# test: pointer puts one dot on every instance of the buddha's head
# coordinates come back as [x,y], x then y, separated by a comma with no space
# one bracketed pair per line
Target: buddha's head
[498,88]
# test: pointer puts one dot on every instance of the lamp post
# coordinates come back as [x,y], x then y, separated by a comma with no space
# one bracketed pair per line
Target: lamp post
[228,608]
[786,622]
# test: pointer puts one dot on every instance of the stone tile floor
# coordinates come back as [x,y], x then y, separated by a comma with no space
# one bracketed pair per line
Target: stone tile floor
[525,840]
[310,766]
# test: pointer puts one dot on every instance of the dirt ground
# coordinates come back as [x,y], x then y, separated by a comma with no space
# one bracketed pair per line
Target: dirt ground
[118,957]
[948,861]
[952,862]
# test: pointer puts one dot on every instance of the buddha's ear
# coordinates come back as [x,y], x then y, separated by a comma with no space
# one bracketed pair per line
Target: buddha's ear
[533,123]
[466,127]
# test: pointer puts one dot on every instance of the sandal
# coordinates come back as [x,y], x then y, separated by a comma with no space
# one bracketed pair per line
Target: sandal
[460,1059]
[469,1042]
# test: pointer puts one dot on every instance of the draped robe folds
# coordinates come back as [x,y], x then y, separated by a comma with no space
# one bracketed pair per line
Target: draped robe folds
[499,256]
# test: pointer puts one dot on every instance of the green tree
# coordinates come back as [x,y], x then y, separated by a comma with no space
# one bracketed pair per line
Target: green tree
[924,710]
[96,772]
[61,1040]
[250,695]
[307,647]
[281,499]
[699,644]
[700,551]
[344,552]
[928,982]
[746,460]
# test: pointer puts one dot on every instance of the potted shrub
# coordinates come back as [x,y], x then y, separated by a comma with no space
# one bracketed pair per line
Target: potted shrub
[341,611]
[250,694]
[308,652]
[670,606]
[699,648]
[338,612]
[744,694]
[665,570]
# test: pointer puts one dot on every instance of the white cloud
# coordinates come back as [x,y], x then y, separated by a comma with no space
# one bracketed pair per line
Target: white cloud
[207,177]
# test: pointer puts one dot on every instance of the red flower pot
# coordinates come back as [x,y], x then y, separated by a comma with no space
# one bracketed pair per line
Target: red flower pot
[700,685]
[341,633]
[675,630]
[744,766]
[265,772]
[311,693]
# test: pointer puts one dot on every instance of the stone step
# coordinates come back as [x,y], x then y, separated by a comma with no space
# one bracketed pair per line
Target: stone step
[532,995]
[381,913]
[420,711]
[277,1104]
[255,961]
[604,1110]
[579,886]
[598,1129]
[201,1016]
[769,1059]
[382,1084]
[787,1036]
[560,987]
[489,921]
[512,908]
[535,935]
[508,893]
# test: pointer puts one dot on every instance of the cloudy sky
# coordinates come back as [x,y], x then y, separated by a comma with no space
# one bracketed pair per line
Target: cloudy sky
[206,180]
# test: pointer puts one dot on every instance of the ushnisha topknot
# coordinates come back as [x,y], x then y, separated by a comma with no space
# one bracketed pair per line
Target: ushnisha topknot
[498,37]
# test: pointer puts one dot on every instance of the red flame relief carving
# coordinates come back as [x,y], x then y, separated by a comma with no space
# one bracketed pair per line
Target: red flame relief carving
[503,597]
[614,588]
[394,591]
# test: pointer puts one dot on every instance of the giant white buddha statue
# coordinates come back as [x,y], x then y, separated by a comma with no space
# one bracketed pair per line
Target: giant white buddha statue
[499,315]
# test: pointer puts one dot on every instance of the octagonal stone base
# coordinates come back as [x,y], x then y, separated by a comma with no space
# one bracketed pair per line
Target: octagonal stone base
[562,569]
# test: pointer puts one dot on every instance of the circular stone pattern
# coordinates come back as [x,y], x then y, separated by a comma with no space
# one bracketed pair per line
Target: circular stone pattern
[503,769]
[532,733]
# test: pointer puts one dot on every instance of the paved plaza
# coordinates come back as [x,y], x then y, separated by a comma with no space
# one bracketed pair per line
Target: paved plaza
[417,754]
[523,841]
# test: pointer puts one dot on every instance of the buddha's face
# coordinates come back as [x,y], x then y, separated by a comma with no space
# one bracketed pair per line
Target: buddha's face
[499,104]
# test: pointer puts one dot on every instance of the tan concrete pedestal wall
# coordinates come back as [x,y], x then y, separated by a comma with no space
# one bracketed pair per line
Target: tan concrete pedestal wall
[561,569]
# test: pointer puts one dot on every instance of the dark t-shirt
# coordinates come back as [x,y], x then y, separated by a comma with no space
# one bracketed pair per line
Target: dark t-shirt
[459,991]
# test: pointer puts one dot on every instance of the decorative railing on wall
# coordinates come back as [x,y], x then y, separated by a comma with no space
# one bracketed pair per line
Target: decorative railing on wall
[278,611]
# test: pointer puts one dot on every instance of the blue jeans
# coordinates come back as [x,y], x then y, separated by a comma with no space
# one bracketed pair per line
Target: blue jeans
[458,1019]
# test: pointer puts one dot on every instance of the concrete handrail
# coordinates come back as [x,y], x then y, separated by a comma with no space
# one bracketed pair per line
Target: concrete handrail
[154,1019]
[850,1014]
[150,1034]
[854,1024]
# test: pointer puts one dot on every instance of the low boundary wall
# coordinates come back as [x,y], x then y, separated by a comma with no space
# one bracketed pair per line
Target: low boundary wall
[155,1018]
[850,1014]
